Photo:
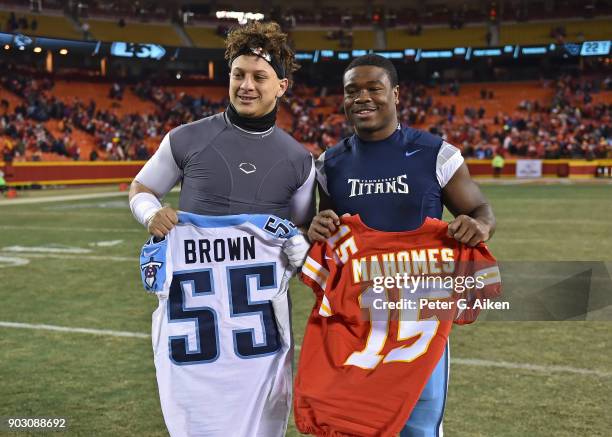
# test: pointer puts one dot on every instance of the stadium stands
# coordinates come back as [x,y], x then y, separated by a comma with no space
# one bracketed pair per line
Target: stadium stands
[563,118]
[53,25]
[110,30]
[311,39]
[538,33]
[205,37]
[510,33]
[434,27]
[79,120]
[42,116]
[436,37]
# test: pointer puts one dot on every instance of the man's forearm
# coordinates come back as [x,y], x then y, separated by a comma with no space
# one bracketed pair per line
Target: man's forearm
[136,188]
[144,203]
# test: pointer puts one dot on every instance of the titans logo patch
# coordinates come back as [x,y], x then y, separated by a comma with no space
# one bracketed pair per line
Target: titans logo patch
[150,270]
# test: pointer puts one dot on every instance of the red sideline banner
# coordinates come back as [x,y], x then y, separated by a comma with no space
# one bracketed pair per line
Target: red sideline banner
[551,168]
[107,172]
[69,172]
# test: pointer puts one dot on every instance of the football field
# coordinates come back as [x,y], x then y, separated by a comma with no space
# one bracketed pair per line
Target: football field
[75,321]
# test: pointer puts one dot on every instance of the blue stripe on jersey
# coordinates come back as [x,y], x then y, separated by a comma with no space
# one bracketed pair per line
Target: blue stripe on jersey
[391,184]
[209,221]
[276,226]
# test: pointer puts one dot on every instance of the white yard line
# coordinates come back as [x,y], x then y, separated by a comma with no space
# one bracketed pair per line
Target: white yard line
[527,366]
[67,197]
[41,327]
[556,221]
[71,229]
[460,361]
[103,213]
[132,259]
[34,249]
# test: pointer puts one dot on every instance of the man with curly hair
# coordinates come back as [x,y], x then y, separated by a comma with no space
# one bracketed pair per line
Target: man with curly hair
[235,162]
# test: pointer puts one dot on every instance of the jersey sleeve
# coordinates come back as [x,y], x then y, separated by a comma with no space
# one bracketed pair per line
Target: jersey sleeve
[317,272]
[480,264]
[155,267]
[447,163]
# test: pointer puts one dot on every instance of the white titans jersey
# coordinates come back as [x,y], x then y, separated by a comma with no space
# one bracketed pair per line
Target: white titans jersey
[221,334]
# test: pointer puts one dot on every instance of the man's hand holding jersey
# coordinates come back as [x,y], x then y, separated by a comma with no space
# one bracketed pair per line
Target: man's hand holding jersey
[147,209]
[323,225]
[296,248]
[162,222]
[468,230]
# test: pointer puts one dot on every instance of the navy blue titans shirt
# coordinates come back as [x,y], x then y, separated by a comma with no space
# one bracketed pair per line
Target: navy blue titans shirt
[393,184]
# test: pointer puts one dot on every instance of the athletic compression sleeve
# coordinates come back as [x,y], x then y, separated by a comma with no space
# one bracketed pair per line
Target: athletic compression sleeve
[144,206]
[160,173]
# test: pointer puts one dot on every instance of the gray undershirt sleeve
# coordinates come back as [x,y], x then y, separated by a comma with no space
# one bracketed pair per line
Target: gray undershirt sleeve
[302,202]
[160,173]
[321,177]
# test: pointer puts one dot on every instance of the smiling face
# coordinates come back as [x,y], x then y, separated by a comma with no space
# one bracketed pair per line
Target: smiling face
[369,102]
[254,86]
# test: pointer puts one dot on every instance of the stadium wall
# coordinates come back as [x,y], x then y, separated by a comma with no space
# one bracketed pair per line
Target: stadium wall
[70,172]
[25,174]
[551,168]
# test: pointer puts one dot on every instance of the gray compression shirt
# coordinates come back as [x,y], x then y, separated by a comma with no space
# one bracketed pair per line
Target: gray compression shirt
[225,170]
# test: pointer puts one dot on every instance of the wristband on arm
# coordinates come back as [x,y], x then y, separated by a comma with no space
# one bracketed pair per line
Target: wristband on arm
[144,206]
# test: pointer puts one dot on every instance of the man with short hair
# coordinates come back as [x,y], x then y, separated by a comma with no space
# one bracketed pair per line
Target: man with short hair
[394,177]
[237,164]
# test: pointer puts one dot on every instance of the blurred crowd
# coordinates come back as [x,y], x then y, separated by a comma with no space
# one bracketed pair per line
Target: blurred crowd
[571,125]
[176,108]
[21,23]
[23,127]
[25,130]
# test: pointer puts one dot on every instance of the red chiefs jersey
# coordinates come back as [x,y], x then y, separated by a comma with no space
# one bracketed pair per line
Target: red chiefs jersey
[367,352]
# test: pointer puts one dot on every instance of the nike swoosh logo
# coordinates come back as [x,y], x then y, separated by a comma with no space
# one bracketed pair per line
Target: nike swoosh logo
[327,257]
[150,253]
[412,153]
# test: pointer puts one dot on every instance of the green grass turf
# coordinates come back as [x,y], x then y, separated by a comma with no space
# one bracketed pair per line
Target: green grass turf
[106,386]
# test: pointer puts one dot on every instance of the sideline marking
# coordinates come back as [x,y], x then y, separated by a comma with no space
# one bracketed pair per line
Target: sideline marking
[39,249]
[63,198]
[41,327]
[110,243]
[52,228]
[67,197]
[460,361]
[11,261]
[526,366]
[132,259]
